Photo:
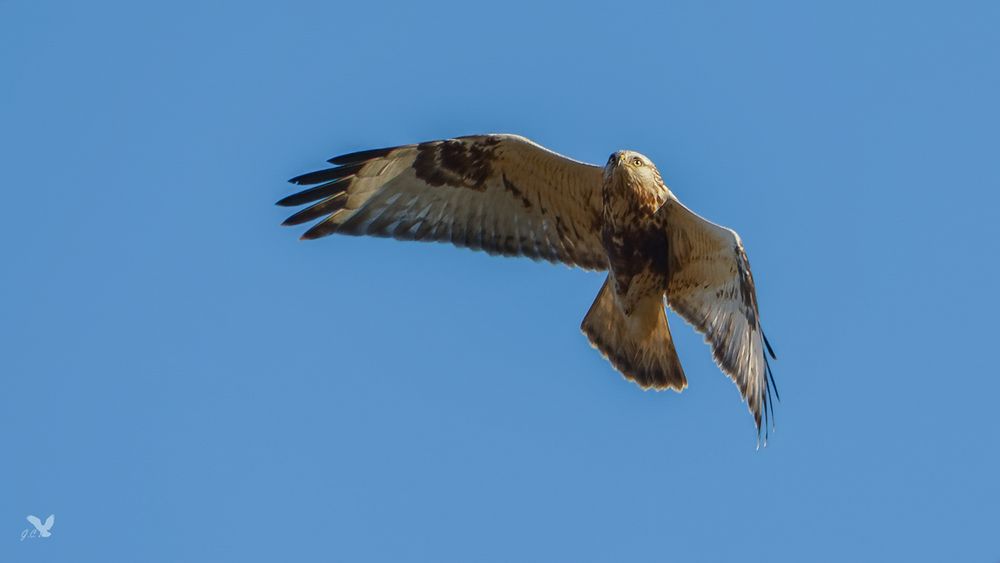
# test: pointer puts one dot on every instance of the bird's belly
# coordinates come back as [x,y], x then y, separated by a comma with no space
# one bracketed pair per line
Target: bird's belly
[637,254]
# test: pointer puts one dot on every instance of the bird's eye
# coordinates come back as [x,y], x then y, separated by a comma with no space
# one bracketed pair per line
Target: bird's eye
[637,161]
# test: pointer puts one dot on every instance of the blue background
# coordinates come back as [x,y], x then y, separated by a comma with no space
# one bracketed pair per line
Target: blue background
[182,380]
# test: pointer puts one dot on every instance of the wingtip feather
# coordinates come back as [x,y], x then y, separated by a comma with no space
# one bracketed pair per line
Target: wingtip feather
[767,344]
[326,175]
[360,156]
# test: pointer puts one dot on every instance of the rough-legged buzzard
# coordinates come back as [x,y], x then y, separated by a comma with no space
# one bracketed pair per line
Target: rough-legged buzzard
[507,195]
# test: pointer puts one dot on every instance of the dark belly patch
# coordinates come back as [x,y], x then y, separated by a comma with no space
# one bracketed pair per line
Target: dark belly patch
[638,256]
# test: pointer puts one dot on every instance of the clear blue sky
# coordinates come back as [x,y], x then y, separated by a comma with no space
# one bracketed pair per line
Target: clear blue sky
[183,380]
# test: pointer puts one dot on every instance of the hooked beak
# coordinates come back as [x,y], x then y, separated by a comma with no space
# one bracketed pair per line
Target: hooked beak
[617,160]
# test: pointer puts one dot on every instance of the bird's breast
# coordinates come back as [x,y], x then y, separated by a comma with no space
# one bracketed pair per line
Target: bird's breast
[634,240]
[636,246]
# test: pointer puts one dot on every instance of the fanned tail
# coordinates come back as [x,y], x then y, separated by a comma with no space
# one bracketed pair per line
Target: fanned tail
[638,345]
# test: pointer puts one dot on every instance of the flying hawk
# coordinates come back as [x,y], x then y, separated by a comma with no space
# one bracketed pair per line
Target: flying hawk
[505,194]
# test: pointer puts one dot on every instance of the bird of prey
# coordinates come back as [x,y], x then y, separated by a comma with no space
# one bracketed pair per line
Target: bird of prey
[505,194]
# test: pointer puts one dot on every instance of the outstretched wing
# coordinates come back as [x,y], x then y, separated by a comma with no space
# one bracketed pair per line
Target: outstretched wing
[500,193]
[711,286]
[35,522]
[49,521]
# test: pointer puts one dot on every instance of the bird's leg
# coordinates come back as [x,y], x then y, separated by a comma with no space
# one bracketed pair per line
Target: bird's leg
[630,291]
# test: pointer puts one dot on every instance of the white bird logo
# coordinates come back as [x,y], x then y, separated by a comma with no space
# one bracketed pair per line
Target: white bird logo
[43,529]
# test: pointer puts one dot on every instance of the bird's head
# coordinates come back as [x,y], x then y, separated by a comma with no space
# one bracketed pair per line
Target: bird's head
[633,167]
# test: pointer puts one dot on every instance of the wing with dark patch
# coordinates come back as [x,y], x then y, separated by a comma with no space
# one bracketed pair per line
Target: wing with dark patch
[710,285]
[499,193]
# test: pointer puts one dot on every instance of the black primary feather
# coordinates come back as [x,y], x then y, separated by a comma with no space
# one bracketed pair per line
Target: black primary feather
[326,175]
[361,156]
[325,207]
[317,193]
